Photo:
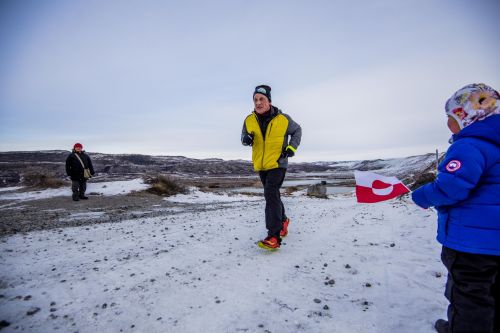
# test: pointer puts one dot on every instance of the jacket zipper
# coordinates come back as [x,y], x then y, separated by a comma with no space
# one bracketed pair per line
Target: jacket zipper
[263,139]
[268,132]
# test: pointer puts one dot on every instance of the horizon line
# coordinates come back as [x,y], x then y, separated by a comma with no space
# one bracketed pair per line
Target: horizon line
[213,158]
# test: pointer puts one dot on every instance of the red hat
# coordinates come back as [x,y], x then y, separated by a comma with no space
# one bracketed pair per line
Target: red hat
[78,145]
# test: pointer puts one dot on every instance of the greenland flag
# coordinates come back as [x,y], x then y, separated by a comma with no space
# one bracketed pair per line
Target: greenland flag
[372,187]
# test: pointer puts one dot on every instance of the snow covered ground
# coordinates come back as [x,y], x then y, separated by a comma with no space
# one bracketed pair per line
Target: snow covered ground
[345,267]
[102,188]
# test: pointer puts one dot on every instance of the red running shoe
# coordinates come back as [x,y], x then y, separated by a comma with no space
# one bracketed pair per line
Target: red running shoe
[284,230]
[270,243]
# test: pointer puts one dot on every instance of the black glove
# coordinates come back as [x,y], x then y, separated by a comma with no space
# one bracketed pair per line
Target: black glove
[247,140]
[288,152]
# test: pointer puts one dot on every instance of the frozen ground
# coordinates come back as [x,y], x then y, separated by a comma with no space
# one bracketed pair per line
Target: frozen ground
[345,267]
[103,188]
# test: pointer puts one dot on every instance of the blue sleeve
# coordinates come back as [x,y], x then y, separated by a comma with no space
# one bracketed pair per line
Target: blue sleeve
[458,174]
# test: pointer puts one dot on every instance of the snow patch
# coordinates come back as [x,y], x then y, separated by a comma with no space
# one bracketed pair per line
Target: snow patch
[198,197]
[86,215]
[8,189]
[117,187]
[104,188]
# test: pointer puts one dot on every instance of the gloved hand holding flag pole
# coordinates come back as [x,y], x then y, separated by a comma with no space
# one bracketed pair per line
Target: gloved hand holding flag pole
[372,187]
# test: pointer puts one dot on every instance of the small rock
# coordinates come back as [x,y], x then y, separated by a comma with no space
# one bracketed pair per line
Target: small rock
[104,306]
[52,303]
[392,245]
[27,298]
[368,284]
[347,266]
[4,323]
[325,265]
[317,300]
[326,307]
[32,311]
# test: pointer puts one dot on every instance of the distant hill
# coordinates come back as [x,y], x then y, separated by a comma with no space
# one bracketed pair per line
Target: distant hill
[13,165]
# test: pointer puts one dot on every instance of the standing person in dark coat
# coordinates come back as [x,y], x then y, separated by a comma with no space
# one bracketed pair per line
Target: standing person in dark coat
[76,163]
[268,131]
[466,195]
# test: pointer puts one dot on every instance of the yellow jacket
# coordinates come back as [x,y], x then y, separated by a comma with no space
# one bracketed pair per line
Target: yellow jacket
[267,147]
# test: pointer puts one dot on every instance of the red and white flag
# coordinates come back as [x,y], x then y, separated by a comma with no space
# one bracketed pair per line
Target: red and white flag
[372,187]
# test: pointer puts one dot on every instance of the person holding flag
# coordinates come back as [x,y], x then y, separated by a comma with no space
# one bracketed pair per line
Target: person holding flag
[466,194]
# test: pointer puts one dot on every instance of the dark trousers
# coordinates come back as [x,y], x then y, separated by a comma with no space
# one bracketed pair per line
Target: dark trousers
[275,211]
[78,187]
[473,289]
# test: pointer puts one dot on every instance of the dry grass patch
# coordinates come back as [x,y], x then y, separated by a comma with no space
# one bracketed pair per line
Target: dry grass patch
[41,180]
[165,186]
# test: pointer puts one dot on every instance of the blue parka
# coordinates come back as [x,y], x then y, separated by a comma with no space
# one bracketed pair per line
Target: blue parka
[466,192]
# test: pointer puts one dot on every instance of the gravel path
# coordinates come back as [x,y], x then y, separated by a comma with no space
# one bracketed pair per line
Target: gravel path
[61,212]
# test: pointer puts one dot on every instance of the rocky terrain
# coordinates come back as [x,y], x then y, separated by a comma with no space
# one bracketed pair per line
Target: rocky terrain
[57,212]
[14,166]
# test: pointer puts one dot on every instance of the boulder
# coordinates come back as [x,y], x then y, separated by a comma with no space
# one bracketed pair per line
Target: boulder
[317,190]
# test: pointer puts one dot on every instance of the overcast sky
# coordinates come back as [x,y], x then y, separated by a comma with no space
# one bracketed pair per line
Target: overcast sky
[364,79]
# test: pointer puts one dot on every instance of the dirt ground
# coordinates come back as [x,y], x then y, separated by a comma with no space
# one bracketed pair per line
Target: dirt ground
[62,212]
